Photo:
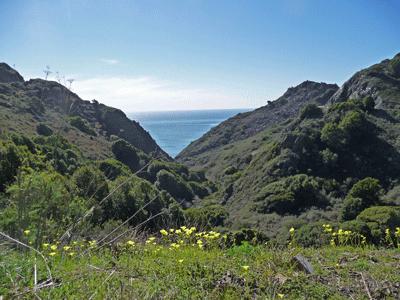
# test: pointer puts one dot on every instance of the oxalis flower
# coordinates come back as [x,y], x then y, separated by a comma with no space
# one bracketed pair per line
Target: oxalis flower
[291,229]
[52,253]
[54,247]
[45,245]
[281,295]
[180,261]
[164,232]
[27,231]
[245,267]
[66,248]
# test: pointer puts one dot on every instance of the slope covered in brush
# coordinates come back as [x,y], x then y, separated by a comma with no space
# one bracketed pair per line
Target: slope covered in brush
[246,125]
[89,124]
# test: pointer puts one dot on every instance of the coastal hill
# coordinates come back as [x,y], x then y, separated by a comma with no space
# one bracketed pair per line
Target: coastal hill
[317,143]
[24,104]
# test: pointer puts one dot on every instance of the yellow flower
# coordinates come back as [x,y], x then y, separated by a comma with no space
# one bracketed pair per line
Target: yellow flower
[245,267]
[74,243]
[281,295]
[71,254]
[131,243]
[148,241]
[27,231]
[180,261]
[193,228]
[45,245]
[30,243]
[92,243]
[225,236]
[54,247]
[52,253]
[66,248]
[291,229]
[171,230]
[387,231]
[178,231]
[152,239]
[183,227]
[45,236]
[164,232]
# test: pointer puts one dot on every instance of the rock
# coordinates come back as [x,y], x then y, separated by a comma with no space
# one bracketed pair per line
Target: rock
[303,264]
[8,74]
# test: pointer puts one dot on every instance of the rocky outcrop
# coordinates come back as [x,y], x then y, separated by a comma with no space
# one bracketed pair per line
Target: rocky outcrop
[8,74]
[376,81]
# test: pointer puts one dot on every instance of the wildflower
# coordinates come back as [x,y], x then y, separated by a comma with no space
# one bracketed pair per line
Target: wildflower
[291,229]
[245,267]
[71,254]
[66,248]
[131,243]
[74,243]
[148,241]
[183,228]
[193,228]
[164,232]
[281,295]
[180,261]
[45,245]
[171,230]
[45,236]
[337,265]
[178,231]
[91,243]
[27,232]
[225,236]
[52,253]
[387,231]
[201,246]
[53,247]
[340,232]
[151,239]
[30,243]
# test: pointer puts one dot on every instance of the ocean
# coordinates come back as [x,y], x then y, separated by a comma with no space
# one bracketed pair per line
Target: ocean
[174,130]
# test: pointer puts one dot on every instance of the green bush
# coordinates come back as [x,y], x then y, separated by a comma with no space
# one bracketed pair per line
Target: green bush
[229,171]
[368,190]
[10,161]
[249,235]
[380,218]
[310,111]
[357,226]
[174,185]
[196,218]
[81,125]
[312,234]
[394,66]
[43,129]
[351,209]
[369,103]
[216,214]
[113,168]
[198,189]
[127,154]
[332,135]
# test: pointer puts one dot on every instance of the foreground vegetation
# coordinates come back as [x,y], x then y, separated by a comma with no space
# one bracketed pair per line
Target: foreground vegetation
[184,264]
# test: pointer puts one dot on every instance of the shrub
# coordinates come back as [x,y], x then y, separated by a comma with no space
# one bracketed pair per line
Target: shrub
[250,235]
[351,209]
[333,135]
[199,189]
[174,185]
[380,218]
[196,218]
[10,161]
[368,190]
[394,67]
[357,226]
[113,168]
[78,122]
[126,153]
[369,103]
[229,171]
[312,234]
[43,129]
[216,214]
[311,110]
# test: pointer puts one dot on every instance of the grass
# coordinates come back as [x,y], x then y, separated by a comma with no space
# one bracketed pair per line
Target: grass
[189,265]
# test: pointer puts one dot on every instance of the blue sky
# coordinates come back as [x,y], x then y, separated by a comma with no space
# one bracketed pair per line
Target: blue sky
[195,54]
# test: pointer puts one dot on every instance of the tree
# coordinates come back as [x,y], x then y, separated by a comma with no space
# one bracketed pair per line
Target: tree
[394,66]
[174,185]
[126,153]
[310,111]
[368,190]
[369,103]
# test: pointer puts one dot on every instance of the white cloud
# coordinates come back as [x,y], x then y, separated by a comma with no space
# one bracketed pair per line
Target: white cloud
[110,61]
[151,94]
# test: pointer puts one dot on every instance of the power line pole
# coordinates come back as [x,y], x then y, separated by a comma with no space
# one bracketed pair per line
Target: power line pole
[47,72]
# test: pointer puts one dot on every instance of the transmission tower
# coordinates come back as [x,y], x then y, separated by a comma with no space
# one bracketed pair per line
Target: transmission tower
[70,83]
[47,72]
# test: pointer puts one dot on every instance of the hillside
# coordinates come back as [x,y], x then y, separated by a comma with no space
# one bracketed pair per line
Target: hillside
[24,104]
[302,169]
[246,125]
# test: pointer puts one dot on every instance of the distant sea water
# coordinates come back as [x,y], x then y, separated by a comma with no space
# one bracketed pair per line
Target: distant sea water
[174,130]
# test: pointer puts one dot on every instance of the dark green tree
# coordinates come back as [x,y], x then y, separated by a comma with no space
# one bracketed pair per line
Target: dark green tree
[369,103]
[126,153]
[310,111]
